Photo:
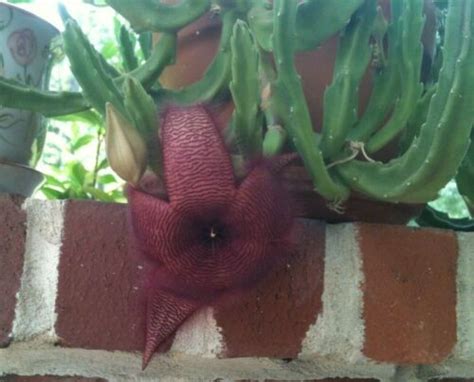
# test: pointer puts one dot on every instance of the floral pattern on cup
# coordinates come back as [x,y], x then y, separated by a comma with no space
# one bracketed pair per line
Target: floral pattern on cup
[6,16]
[23,46]
[24,57]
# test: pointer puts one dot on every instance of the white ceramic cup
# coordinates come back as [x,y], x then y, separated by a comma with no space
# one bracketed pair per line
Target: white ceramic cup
[24,56]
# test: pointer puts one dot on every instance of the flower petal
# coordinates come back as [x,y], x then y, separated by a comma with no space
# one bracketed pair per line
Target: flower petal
[165,313]
[162,232]
[198,170]
[262,208]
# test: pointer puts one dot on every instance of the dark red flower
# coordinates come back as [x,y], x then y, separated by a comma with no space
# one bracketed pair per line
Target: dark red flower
[213,235]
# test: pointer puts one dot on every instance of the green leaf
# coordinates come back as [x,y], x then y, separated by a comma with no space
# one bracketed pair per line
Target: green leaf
[103,164]
[50,180]
[51,193]
[107,179]
[78,174]
[109,49]
[82,141]
[99,194]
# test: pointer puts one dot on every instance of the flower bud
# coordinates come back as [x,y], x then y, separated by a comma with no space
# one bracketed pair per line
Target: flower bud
[125,148]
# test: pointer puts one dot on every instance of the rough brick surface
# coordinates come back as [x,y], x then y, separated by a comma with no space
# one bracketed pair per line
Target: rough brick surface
[407,296]
[410,293]
[12,247]
[47,378]
[271,319]
[99,302]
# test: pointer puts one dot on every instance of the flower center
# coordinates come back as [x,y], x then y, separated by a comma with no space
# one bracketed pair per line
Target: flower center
[213,234]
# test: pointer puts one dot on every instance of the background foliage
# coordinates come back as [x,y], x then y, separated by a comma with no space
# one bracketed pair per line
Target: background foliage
[74,157]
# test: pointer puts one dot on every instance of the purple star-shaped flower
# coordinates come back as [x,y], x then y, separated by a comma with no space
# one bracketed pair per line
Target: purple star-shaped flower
[213,235]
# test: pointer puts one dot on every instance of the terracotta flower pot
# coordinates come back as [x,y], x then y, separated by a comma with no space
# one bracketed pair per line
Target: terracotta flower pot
[25,57]
[197,45]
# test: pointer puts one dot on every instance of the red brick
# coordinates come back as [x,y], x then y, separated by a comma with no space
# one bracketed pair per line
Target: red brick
[410,293]
[271,319]
[12,248]
[99,302]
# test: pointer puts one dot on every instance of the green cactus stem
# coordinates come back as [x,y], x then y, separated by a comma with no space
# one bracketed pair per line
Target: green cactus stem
[260,18]
[341,97]
[433,158]
[275,136]
[386,84]
[140,107]
[247,118]
[217,76]
[162,55]
[409,69]
[292,104]
[17,95]
[316,21]
[153,15]
[127,49]
[274,140]
[142,112]
[145,39]
[109,69]
[98,86]
[418,117]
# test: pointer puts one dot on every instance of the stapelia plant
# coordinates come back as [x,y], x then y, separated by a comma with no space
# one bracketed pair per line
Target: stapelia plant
[215,225]
[211,236]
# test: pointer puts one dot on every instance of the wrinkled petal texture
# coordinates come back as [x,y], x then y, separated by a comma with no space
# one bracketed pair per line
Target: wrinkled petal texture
[165,313]
[163,234]
[257,226]
[197,168]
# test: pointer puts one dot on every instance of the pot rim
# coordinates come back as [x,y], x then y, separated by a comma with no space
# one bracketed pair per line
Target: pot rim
[4,162]
[31,14]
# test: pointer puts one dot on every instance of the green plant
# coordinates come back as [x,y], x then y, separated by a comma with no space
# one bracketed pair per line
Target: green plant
[435,117]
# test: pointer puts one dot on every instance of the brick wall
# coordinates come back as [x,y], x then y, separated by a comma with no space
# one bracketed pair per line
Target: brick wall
[356,302]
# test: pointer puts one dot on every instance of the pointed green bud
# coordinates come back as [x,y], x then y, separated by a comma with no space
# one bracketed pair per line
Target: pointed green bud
[125,148]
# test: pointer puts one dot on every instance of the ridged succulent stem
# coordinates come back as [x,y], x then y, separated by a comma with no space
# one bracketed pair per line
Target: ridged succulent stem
[291,100]
[316,21]
[127,50]
[98,86]
[247,118]
[386,88]
[17,95]
[274,140]
[152,15]
[433,158]
[217,76]
[409,68]
[162,55]
[341,98]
